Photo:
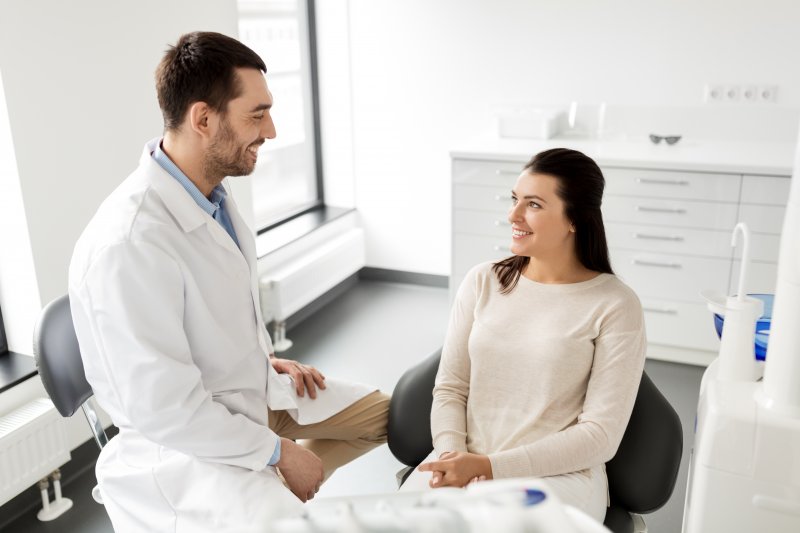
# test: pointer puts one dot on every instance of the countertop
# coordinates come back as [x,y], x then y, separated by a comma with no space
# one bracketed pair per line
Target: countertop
[739,157]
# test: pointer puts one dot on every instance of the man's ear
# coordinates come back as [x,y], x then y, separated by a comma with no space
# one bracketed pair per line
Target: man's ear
[199,118]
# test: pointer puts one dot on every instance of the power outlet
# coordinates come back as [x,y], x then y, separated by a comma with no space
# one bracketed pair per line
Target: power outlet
[768,93]
[732,93]
[714,92]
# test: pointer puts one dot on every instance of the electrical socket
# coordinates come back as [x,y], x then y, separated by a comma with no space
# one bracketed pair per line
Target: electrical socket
[714,92]
[731,93]
[750,93]
[768,93]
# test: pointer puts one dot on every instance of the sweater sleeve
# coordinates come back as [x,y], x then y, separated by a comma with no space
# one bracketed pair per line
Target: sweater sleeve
[611,392]
[449,410]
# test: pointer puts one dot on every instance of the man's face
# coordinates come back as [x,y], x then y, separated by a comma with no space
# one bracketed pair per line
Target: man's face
[242,129]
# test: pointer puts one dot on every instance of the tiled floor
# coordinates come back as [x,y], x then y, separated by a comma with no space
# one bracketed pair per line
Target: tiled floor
[373,333]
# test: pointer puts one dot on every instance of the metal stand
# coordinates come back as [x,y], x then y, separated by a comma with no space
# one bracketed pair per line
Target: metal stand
[279,340]
[52,510]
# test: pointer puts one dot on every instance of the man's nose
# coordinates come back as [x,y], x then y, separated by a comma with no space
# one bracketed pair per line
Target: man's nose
[268,128]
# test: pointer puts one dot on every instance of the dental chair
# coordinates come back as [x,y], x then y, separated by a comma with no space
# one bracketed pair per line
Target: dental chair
[641,476]
[58,360]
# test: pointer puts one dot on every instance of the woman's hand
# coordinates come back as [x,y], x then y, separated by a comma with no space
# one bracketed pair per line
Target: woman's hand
[304,376]
[457,469]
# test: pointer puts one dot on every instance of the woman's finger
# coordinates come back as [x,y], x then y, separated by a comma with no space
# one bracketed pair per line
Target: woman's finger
[309,380]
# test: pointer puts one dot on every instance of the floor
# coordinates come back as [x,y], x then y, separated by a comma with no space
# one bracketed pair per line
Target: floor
[372,333]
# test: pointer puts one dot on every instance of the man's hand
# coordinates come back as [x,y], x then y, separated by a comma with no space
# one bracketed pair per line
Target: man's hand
[457,469]
[301,469]
[304,376]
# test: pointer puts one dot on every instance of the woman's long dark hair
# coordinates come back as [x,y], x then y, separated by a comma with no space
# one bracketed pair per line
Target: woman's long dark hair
[580,187]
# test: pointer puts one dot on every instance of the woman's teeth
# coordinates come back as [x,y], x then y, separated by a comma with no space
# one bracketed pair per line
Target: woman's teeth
[520,233]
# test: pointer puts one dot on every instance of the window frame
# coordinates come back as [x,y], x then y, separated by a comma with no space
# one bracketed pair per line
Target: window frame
[309,47]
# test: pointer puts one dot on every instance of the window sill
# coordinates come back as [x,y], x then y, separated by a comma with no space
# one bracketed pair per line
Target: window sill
[295,228]
[14,369]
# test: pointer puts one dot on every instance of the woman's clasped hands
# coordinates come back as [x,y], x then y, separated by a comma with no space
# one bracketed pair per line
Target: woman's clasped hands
[458,469]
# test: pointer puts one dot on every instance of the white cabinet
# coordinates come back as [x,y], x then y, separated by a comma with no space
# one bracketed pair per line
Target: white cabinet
[669,235]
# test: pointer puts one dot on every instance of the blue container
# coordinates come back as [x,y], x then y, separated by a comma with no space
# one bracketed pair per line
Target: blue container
[762,326]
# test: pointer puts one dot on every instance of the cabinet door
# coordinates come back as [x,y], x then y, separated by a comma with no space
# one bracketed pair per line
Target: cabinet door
[670,184]
[761,277]
[470,250]
[483,223]
[763,218]
[765,190]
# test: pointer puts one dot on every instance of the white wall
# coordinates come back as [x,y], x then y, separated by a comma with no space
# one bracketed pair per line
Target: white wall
[80,103]
[79,88]
[426,73]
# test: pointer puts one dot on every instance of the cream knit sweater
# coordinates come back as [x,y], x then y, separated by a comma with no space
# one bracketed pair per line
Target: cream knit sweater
[541,380]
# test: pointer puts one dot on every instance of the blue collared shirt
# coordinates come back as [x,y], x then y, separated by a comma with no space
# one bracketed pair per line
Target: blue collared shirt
[214,207]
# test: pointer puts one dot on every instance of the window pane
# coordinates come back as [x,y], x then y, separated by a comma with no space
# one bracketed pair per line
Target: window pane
[285,178]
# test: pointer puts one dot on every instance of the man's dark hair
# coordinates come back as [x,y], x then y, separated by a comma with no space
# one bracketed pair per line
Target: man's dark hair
[201,68]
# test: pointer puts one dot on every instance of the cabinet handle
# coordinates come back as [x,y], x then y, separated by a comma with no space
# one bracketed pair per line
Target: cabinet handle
[647,236]
[654,181]
[674,210]
[500,172]
[502,223]
[641,262]
[501,248]
[660,310]
[502,197]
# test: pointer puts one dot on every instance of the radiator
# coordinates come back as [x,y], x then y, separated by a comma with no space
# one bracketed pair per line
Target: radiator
[33,443]
[289,288]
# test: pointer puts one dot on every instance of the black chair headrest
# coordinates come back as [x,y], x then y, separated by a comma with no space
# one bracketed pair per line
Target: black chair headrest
[58,357]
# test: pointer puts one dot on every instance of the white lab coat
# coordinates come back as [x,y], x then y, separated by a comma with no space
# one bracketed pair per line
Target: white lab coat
[166,312]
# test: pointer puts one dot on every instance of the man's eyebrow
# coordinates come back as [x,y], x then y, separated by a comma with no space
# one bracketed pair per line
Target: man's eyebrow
[261,107]
[530,197]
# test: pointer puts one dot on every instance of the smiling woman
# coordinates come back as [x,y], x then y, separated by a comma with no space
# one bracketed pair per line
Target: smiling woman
[545,349]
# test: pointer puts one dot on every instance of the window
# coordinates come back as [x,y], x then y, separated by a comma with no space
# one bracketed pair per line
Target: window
[287,179]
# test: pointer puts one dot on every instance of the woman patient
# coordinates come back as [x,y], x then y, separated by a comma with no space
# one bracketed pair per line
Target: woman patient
[544,350]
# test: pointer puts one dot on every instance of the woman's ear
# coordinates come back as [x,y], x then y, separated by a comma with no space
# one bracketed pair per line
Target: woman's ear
[199,118]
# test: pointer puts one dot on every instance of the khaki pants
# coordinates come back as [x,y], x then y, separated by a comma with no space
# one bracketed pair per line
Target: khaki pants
[343,437]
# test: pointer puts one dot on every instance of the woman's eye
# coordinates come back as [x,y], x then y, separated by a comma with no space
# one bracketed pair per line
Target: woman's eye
[513,200]
[533,204]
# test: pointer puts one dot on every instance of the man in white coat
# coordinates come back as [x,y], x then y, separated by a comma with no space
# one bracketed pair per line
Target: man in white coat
[164,297]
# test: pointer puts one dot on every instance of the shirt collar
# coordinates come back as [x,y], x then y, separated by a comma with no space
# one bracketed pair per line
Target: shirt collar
[218,194]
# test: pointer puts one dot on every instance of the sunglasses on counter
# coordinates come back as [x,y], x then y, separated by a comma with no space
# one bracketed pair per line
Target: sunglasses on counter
[670,139]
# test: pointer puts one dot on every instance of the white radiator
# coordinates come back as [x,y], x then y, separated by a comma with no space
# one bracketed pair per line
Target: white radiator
[289,288]
[33,443]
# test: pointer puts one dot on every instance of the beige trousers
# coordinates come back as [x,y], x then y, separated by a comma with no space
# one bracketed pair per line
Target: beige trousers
[343,437]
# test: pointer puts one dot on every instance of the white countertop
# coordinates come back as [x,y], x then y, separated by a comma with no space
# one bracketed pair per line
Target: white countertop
[744,157]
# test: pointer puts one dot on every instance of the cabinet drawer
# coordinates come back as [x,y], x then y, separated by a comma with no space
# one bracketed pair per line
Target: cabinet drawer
[491,173]
[482,223]
[675,277]
[763,218]
[669,240]
[767,190]
[680,213]
[762,248]
[761,277]
[668,184]
[688,325]
[493,199]
[469,250]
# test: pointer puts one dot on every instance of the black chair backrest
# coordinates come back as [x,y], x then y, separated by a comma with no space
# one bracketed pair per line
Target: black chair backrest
[642,474]
[58,358]
[409,428]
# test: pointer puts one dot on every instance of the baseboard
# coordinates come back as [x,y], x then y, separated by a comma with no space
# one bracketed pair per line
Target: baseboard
[83,458]
[400,276]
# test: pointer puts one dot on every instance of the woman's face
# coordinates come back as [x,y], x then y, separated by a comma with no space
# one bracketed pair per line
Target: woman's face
[538,224]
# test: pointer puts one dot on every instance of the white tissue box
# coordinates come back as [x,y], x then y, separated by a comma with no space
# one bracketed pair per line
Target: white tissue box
[529,123]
